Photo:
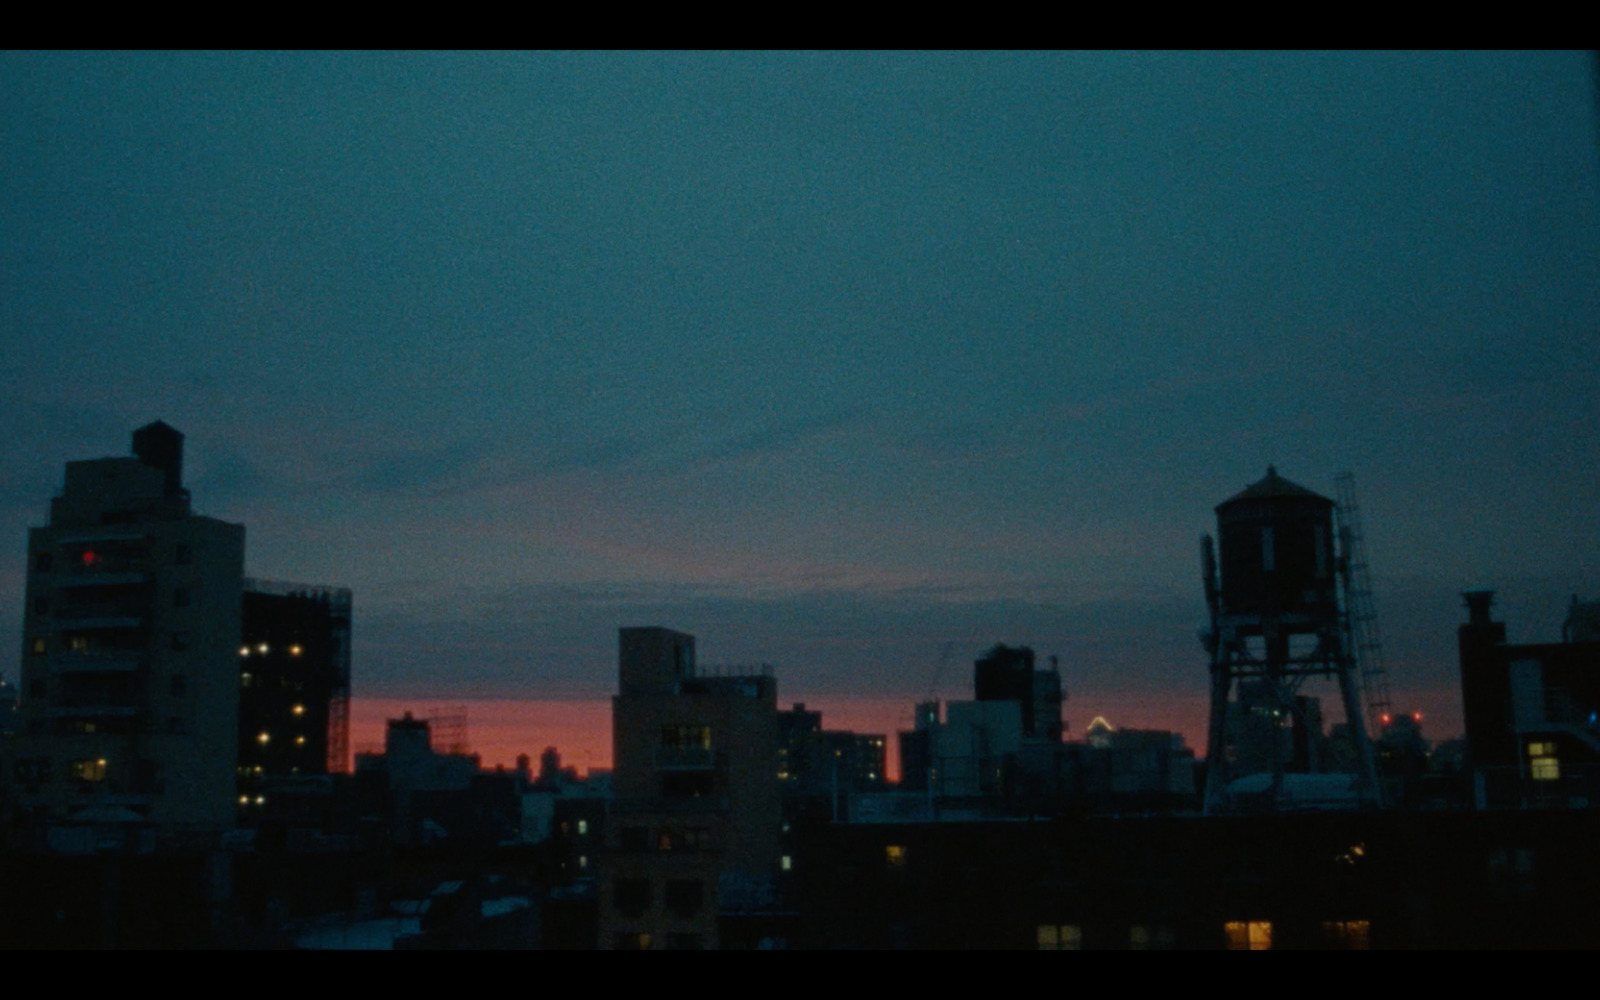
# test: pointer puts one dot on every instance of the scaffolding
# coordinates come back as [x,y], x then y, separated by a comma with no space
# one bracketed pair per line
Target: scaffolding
[1361,615]
[447,728]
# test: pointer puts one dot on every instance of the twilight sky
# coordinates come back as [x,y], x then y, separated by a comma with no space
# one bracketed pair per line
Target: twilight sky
[833,360]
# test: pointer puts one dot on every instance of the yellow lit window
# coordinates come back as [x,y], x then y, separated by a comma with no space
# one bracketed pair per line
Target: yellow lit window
[295,650]
[1249,935]
[297,710]
[1545,769]
[39,647]
[1353,935]
[786,863]
[1060,937]
[895,856]
[583,827]
[89,770]
[299,741]
[262,648]
[264,738]
[244,650]
[1541,749]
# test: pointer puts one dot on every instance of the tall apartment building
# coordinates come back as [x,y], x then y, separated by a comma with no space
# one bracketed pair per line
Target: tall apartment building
[130,667]
[694,828]
[294,692]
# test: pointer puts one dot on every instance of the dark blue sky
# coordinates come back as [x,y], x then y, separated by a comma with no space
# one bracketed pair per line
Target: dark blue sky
[830,359]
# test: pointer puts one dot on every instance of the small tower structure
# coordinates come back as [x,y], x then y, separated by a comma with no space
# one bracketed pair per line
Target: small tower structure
[1273,595]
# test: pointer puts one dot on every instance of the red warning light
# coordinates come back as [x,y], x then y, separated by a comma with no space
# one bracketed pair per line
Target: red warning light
[1384,718]
[1416,716]
[89,557]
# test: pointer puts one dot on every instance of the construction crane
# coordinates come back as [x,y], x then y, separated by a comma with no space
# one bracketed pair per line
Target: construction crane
[1361,616]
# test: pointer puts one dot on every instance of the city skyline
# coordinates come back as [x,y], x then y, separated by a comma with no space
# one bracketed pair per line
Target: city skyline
[838,362]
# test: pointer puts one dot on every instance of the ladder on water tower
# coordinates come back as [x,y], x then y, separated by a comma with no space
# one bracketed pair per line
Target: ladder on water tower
[1361,616]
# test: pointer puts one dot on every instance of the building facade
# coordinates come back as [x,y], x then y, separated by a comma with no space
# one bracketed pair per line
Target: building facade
[129,683]
[693,835]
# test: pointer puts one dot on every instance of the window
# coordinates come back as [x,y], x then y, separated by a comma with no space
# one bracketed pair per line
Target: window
[786,863]
[583,827]
[1151,937]
[40,646]
[895,856]
[686,737]
[1351,935]
[1060,937]
[1249,935]
[1543,764]
[631,896]
[685,896]
[89,770]
[633,941]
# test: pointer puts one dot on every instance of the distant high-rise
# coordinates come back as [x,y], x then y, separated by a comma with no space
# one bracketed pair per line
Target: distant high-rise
[129,680]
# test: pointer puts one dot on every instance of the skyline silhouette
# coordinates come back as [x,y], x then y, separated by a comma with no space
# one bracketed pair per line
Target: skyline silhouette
[830,359]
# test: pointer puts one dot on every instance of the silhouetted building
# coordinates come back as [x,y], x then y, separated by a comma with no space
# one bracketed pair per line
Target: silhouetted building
[294,690]
[1532,712]
[818,763]
[130,685]
[694,830]
[1005,673]
[916,747]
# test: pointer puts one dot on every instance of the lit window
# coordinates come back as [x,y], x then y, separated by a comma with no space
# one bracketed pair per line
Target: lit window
[264,738]
[299,741]
[297,710]
[262,648]
[89,770]
[295,650]
[1543,764]
[261,800]
[1353,935]
[583,827]
[786,863]
[39,647]
[244,650]
[895,855]
[1249,935]
[583,861]
[1060,937]
[244,800]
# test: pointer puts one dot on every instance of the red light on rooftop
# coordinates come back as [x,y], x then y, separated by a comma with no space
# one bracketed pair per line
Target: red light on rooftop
[89,557]
[1416,716]
[1385,719]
